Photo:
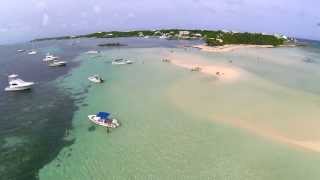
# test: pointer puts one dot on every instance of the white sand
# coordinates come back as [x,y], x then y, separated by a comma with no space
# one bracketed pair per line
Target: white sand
[232,73]
[274,135]
[229,47]
[225,72]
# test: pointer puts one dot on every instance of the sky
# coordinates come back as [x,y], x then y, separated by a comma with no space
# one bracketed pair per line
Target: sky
[23,20]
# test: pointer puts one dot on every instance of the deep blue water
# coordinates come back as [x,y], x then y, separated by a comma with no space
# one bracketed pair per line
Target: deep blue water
[33,123]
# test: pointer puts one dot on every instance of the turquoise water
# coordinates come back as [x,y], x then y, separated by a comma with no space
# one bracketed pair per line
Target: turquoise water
[182,125]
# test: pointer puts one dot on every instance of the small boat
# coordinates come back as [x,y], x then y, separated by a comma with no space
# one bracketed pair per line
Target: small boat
[95,79]
[16,84]
[103,119]
[92,52]
[56,63]
[21,50]
[121,62]
[50,57]
[32,52]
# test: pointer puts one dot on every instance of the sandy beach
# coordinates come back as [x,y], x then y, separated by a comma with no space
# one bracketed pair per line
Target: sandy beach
[229,47]
[231,73]
[226,73]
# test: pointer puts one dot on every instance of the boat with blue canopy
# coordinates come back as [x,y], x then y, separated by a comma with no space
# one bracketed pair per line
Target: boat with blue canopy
[104,119]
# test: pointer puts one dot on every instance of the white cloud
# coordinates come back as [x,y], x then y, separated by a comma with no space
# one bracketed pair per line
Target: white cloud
[45,19]
[131,15]
[64,26]
[40,4]
[96,9]
[3,30]
[84,14]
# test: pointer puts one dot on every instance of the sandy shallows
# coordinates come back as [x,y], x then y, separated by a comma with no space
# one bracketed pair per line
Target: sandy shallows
[229,47]
[225,72]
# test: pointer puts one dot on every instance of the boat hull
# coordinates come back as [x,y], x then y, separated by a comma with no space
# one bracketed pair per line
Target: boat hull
[94,80]
[122,63]
[57,64]
[19,88]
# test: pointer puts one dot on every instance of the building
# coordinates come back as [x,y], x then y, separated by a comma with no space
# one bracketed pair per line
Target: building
[219,40]
[197,35]
[184,33]
[140,34]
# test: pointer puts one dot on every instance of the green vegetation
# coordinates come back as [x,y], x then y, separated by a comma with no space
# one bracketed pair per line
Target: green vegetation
[212,38]
[219,38]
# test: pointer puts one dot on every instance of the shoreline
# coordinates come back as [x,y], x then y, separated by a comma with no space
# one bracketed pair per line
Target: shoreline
[228,47]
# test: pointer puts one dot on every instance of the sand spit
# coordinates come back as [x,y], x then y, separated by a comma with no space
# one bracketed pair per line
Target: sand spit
[196,63]
[229,47]
[274,135]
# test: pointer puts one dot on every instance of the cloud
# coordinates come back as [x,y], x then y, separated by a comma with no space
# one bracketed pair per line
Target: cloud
[45,19]
[234,2]
[84,14]
[96,9]
[131,15]
[64,25]
[3,30]
[40,4]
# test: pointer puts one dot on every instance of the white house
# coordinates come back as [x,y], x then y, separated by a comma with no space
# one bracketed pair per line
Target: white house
[219,40]
[184,33]
[197,35]
[140,34]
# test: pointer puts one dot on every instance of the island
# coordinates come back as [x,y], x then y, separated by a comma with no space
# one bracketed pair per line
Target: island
[211,37]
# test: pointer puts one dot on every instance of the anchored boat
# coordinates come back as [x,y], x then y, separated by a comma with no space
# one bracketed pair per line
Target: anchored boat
[93,52]
[56,63]
[96,79]
[32,52]
[16,84]
[21,50]
[49,58]
[103,119]
[121,62]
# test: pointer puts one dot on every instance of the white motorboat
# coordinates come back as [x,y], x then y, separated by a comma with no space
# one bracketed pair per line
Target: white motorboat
[50,57]
[121,62]
[92,52]
[56,63]
[103,119]
[16,84]
[32,52]
[21,50]
[95,79]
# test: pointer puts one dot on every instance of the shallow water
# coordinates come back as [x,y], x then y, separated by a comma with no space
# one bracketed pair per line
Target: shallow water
[182,125]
